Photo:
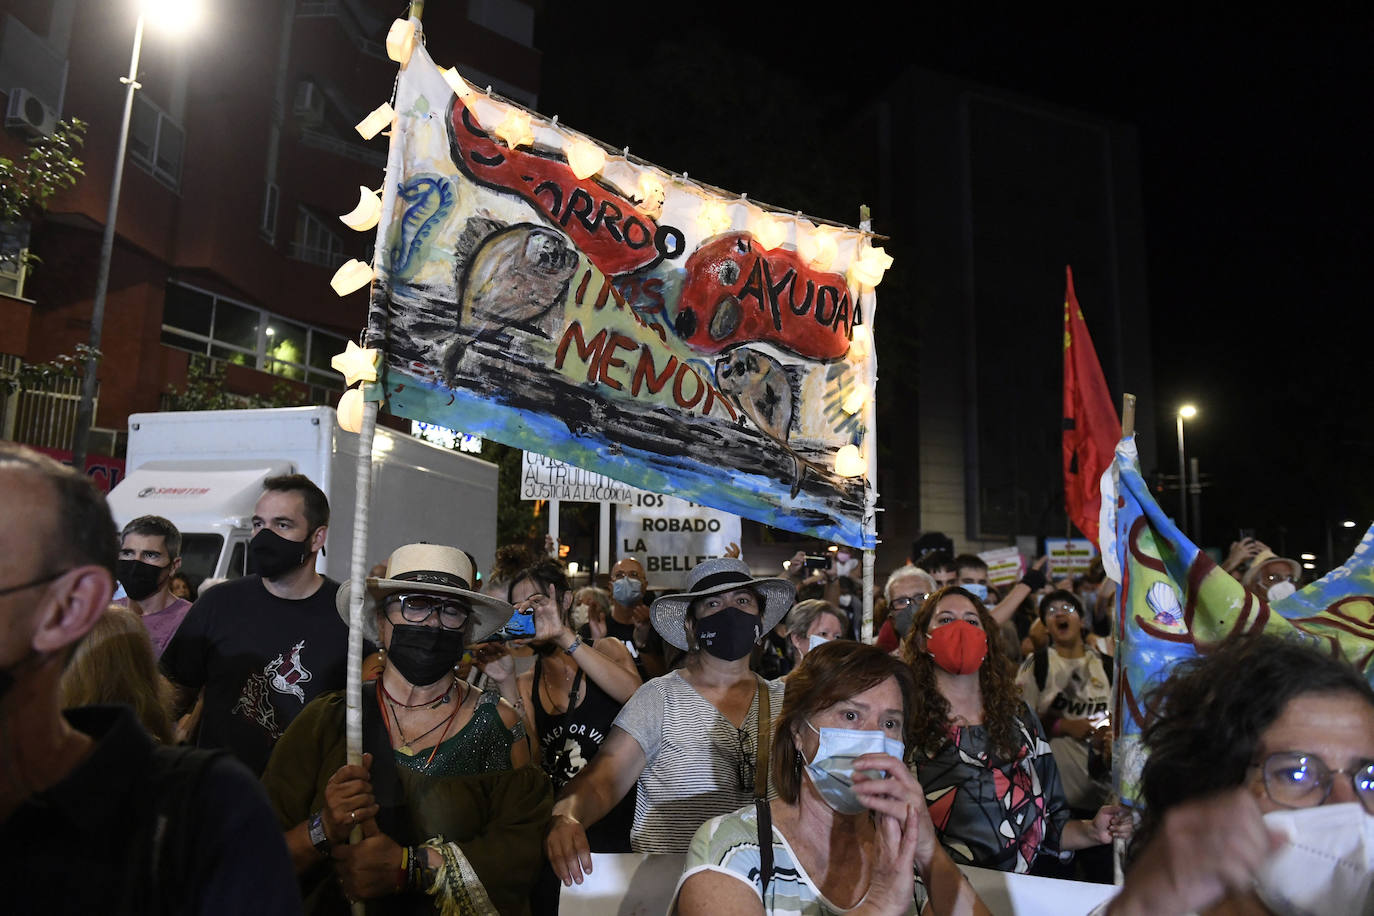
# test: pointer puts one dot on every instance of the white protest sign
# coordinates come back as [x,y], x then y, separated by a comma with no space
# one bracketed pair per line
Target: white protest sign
[542,477]
[1004,565]
[670,536]
[1069,556]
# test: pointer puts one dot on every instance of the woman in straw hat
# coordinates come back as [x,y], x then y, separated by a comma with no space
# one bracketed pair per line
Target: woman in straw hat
[450,813]
[689,741]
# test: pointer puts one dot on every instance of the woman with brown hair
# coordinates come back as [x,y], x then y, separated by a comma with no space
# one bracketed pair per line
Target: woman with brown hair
[115,664]
[979,751]
[849,830]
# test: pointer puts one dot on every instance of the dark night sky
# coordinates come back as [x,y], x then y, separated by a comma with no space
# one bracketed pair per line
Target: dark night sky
[1255,135]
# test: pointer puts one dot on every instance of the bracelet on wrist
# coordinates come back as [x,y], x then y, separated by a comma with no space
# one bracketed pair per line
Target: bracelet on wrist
[574,645]
[318,837]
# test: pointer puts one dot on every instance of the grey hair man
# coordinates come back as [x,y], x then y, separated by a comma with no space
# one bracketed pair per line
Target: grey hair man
[906,588]
[149,556]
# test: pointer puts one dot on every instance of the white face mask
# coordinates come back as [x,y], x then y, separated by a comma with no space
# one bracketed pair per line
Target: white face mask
[1280,590]
[1327,866]
[832,770]
[815,641]
[580,615]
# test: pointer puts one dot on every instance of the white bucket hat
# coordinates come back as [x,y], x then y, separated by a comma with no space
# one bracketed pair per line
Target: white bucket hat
[1266,556]
[431,569]
[711,577]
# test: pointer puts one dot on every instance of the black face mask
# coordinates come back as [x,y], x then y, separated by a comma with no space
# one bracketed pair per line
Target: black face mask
[138,578]
[728,634]
[270,555]
[423,655]
[901,621]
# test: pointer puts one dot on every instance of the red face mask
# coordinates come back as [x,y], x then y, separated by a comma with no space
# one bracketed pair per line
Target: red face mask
[959,647]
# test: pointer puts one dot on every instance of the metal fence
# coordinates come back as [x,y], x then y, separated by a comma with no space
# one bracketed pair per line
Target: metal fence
[45,416]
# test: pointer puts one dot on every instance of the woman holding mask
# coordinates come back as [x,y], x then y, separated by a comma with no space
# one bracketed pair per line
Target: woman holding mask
[451,815]
[849,829]
[689,740]
[975,739]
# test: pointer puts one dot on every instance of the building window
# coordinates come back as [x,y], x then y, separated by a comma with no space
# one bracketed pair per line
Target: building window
[314,242]
[201,322]
[156,142]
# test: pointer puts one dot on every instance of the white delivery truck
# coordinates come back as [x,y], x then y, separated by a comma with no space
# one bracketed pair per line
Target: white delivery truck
[204,469]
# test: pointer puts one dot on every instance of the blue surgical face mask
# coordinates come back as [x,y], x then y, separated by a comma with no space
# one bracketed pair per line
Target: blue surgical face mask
[815,640]
[627,591]
[832,769]
[977,590]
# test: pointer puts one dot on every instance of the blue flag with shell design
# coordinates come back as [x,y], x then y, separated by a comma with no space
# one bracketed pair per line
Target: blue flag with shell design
[1174,602]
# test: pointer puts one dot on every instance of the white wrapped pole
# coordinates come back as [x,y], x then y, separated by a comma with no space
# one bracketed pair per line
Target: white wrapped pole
[868,300]
[358,566]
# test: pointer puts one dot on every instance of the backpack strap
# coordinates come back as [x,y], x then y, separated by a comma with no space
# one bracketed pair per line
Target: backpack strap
[1040,664]
[761,808]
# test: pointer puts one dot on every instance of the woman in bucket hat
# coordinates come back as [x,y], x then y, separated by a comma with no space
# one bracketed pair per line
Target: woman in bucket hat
[689,740]
[451,815]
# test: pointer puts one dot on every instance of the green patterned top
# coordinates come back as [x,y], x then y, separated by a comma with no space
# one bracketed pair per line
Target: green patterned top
[480,746]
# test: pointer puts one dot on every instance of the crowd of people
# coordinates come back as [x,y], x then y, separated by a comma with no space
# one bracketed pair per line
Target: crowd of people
[173,755]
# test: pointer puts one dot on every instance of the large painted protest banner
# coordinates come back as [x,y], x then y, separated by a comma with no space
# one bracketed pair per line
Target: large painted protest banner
[1174,602]
[629,321]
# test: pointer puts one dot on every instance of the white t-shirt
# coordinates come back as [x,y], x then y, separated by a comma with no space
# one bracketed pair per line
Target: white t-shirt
[697,764]
[1075,688]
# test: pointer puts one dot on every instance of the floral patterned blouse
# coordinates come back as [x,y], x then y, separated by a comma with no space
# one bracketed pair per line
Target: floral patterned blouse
[993,813]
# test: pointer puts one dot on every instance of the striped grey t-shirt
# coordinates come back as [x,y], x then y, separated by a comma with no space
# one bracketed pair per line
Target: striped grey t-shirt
[697,764]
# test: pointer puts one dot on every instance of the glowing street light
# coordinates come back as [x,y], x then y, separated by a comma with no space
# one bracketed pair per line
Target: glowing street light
[168,15]
[1186,412]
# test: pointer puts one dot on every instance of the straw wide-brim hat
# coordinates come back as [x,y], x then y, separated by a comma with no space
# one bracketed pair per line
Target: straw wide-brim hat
[435,570]
[711,577]
[1265,556]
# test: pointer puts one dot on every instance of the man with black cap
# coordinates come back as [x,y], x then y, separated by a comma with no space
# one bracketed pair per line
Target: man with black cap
[264,645]
[689,740]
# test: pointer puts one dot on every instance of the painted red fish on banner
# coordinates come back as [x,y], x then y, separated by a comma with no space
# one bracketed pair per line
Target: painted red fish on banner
[736,292]
[601,222]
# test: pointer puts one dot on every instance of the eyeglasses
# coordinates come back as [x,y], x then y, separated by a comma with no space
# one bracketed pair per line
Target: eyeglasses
[419,608]
[901,604]
[44,580]
[1297,780]
[745,762]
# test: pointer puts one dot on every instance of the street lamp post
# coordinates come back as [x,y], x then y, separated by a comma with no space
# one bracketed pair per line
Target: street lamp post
[86,408]
[1187,411]
[181,14]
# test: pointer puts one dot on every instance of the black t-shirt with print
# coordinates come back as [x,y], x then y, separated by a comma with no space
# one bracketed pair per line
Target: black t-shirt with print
[260,659]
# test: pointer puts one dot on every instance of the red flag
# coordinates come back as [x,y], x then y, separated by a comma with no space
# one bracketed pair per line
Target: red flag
[1091,425]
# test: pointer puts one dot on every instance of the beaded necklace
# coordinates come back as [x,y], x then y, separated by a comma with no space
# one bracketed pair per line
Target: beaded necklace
[405,747]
